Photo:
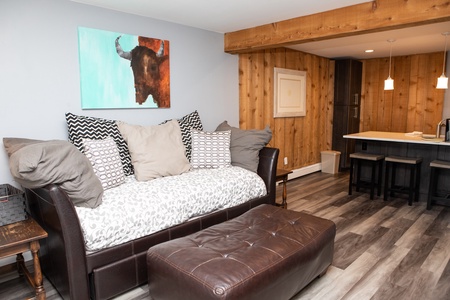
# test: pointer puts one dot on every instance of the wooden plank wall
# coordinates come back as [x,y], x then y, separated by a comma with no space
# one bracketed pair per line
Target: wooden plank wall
[414,105]
[300,139]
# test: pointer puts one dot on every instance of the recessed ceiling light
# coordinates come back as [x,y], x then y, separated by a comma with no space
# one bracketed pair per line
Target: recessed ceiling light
[369,51]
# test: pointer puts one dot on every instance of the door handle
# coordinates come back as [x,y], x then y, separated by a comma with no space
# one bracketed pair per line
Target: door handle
[356,99]
[355,112]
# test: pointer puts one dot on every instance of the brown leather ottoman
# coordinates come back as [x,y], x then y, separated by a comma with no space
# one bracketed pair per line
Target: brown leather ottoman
[266,253]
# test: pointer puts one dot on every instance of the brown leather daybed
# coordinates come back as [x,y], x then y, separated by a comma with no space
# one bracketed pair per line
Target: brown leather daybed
[77,274]
[266,253]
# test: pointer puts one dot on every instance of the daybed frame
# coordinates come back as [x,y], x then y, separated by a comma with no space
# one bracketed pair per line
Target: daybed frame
[107,273]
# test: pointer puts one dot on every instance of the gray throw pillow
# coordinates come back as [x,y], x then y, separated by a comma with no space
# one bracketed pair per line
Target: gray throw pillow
[36,164]
[246,144]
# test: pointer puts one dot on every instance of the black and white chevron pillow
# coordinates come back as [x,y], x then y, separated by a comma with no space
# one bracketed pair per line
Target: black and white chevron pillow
[80,127]
[188,122]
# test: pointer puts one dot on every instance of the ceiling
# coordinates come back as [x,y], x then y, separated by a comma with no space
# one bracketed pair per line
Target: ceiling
[232,15]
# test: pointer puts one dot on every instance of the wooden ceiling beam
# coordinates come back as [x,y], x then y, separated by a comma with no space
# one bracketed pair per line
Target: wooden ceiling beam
[374,16]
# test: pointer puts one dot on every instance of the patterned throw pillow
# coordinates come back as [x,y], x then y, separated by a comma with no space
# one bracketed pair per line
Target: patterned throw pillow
[188,122]
[210,150]
[80,127]
[105,159]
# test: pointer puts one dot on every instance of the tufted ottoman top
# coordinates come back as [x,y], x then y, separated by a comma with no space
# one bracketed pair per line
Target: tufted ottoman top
[265,253]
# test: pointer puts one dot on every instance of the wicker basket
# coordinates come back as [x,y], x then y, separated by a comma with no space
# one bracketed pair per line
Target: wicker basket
[12,205]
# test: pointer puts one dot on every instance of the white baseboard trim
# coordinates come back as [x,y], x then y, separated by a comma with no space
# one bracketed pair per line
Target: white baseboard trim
[304,171]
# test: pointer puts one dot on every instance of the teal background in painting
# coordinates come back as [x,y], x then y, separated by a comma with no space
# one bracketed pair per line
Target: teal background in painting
[106,79]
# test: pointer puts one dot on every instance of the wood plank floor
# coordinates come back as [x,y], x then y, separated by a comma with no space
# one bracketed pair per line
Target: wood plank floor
[383,250]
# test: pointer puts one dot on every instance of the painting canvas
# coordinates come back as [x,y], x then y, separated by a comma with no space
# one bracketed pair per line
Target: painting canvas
[123,71]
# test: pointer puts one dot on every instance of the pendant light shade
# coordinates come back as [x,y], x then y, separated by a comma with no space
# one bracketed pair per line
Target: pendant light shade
[442,81]
[389,82]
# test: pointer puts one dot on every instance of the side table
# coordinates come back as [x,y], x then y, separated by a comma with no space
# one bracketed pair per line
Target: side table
[283,175]
[20,237]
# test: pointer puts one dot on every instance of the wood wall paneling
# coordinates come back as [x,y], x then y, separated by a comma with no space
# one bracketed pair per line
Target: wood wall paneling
[300,139]
[401,95]
[414,105]
[279,125]
[329,98]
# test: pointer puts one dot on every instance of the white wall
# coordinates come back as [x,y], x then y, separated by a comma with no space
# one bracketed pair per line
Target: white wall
[39,78]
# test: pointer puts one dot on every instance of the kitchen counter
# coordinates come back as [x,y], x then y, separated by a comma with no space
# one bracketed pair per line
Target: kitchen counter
[396,137]
[400,144]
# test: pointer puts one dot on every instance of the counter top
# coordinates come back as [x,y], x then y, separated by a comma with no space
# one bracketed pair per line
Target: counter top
[399,137]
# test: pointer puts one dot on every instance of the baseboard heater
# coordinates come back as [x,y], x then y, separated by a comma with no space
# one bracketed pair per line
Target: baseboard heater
[304,171]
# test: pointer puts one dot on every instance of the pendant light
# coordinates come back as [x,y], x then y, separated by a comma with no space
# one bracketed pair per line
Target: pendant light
[442,82]
[389,82]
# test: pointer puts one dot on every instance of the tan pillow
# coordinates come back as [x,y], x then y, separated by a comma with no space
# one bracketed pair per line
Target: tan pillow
[156,151]
[36,164]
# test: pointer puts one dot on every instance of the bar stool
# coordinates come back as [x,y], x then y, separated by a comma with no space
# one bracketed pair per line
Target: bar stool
[374,160]
[414,177]
[436,166]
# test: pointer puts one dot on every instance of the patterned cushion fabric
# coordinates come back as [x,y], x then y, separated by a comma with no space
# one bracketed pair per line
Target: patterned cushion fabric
[188,122]
[210,150]
[80,127]
[139,208]
[105,159]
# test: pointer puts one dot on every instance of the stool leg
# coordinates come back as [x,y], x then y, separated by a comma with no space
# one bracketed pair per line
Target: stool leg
[431,187]
[372,182]
[350,181]
[380,171]
[358,174]
[417,187]
[411,184]
[386,180]
[394,173]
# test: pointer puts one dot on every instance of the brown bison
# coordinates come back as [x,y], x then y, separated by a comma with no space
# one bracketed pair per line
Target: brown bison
[150,71]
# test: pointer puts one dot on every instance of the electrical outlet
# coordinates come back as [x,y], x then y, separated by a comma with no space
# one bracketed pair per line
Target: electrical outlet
[285,160]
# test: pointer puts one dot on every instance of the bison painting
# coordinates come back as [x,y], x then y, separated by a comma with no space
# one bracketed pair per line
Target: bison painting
[150,70]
